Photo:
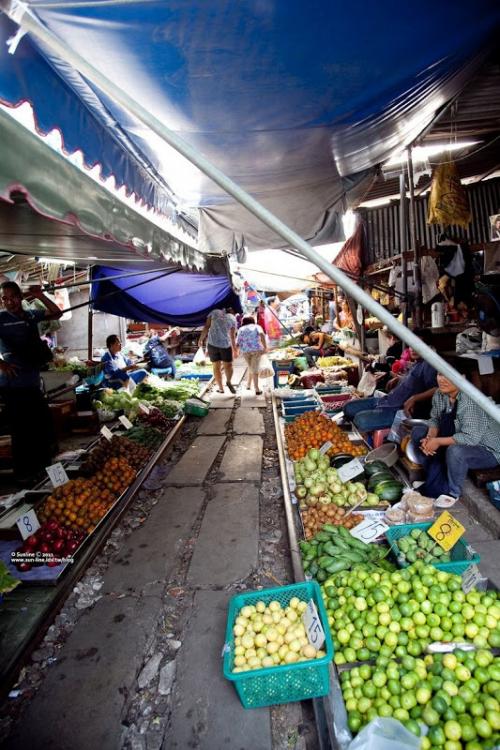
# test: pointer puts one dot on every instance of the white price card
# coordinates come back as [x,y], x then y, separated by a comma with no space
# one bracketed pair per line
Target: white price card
[470,578]
[337,417]
[353,469]
[325,447]
[106,432]
[125,422]
[144,408]
[28,523]
[369,530]
[57,474]
[312,624]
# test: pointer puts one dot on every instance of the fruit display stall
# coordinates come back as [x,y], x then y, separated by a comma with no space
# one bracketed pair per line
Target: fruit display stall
[415,627]
[50,534]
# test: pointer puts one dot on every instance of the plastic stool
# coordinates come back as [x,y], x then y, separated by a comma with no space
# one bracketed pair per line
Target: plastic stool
[281,369]
[379,436]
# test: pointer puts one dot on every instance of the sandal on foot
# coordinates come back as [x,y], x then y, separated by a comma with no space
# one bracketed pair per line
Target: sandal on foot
[231,387]
[258,393]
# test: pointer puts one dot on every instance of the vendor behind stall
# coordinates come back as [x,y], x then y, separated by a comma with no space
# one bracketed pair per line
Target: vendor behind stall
[24,354]
[413,393]
[157,355]
[119,370]
[460,436]
[318,344]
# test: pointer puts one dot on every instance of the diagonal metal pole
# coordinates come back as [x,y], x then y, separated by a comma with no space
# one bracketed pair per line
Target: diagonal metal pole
[20,14]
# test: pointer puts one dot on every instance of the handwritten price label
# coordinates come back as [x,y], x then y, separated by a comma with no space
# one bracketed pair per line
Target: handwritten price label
[369,530]
[470,578]
[57,474]
[312,624]
[353,469]
[125,422]
[106,432]
[325,447]
[28,523]
[144,408]
[446,531]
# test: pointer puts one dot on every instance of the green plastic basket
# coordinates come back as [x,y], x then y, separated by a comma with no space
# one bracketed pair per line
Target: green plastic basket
[287,683]
[462,554]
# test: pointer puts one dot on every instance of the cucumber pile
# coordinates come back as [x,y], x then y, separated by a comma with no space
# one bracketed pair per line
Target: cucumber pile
[334,549]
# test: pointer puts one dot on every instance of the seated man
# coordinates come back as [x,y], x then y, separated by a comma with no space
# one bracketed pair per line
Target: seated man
[460,436]
[418,386]
[119,370]
[157,355]
[318,344]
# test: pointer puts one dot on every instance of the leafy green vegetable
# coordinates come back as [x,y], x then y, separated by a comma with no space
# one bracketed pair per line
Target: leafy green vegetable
[7,581]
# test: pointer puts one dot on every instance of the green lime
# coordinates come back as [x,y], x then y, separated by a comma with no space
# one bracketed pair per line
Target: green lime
[436,736]
[412,726]
[452,730]
[354,721]
[430,716]
[483,728]
[439,704]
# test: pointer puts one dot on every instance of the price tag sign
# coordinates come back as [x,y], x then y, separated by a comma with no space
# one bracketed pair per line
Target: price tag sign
[312,624]
[337,417]
[353,469]
[106,432]
[28,523]
[369,530]
[470,578]
[145,409]
[125,422]
[325,447]
[446,531]
[57,474]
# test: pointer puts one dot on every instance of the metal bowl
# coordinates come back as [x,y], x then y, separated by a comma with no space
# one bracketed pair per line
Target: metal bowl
[388,453]
[409,424]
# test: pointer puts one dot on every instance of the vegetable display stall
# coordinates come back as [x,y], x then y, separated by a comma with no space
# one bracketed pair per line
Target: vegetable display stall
[414,638]
[76,517]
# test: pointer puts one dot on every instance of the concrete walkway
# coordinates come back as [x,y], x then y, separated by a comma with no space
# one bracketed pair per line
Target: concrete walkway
[150,647]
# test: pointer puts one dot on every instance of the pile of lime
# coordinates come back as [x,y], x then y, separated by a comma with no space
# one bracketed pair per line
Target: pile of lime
[418,545]
[456,695]
[381,613]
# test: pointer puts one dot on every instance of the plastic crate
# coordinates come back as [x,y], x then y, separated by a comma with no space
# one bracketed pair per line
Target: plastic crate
[287,683]
[462,555]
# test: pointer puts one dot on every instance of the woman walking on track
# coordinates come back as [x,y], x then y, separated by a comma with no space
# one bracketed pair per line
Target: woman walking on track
[251,341]
[219,333]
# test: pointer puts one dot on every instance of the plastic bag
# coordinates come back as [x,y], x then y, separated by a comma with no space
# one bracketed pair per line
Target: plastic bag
[200,357]
[265,367]
[394,435]
[367,384]
[385,734]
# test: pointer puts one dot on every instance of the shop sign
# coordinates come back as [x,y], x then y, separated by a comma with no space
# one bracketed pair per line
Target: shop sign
[446,531]
[312,624]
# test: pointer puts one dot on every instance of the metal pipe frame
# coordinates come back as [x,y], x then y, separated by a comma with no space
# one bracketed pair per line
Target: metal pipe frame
[21,15]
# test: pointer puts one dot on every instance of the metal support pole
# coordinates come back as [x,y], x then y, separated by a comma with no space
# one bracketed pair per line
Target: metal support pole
[403,242]
[23,17]
[414,243]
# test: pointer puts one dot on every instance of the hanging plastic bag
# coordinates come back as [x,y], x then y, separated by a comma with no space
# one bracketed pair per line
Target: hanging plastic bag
[385,734]
[200,357]
[265,367]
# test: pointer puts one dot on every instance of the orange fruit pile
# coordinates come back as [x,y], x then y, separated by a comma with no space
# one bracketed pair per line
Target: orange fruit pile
[312,430]
[81,503]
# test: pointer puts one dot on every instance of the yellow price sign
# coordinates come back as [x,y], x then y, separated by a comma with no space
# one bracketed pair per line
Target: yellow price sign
[446,531]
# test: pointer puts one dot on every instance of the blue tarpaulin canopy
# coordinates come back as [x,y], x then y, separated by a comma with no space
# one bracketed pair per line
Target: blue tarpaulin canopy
[297,101]
[171,296]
